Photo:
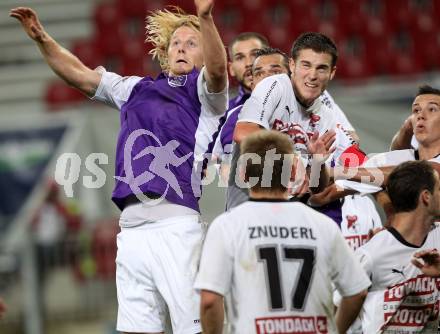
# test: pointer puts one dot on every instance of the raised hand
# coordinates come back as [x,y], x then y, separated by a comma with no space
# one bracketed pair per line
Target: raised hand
[321,146]
[204,7]
[299,179]
[430,264]
[30,22]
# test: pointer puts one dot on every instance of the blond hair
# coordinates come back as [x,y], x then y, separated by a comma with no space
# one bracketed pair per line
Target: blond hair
[160,26]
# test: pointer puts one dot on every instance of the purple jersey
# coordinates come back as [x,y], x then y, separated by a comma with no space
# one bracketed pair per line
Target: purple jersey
[167,125]
[239,99]
[223,144]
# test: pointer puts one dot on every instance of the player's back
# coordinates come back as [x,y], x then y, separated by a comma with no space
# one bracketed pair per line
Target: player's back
[285,256]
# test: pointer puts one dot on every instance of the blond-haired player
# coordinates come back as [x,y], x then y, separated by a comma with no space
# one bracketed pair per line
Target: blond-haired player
[166,124]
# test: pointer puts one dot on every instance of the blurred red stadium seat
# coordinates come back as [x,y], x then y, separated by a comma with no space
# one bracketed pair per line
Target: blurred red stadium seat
[135,58]
[133,8]
[88,52]
[58,94]
[120,31]
[399,14]
[405,64]
[107,17]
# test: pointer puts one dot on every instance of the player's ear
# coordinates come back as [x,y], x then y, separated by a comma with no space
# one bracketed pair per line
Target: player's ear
[242,173]
[333,72]
[231,70]
[425,197]
[292,65]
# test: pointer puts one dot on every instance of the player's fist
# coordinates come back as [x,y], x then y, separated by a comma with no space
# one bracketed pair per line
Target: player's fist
[204,7]
[30,22]
[428,261]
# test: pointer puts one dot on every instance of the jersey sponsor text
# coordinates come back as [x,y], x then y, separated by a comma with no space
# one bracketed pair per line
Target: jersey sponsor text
[294,325]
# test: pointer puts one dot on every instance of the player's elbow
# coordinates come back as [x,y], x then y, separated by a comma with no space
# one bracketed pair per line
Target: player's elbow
[244,129]
[356,300]
[210,301]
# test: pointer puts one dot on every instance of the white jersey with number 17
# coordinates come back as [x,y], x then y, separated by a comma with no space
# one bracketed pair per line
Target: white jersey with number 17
[276,262]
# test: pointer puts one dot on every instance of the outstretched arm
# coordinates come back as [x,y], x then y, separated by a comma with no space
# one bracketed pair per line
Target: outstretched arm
[67,66]
[214,53]
[328,195]
[377,176]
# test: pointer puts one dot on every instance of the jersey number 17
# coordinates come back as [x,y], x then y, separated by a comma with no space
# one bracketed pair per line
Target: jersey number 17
[269,255]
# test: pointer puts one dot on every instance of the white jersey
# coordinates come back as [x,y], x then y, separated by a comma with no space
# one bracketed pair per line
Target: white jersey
[391,158]
[401,298]
[277,260]
[273,105]
[359,217]
[338,114]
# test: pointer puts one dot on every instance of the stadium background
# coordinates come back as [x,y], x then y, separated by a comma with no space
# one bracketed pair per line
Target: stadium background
[387,48]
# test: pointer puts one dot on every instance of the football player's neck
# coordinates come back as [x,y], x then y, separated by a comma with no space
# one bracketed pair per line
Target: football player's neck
[305,104]
[282,195]
[414,225]
[429,151]
[245,89]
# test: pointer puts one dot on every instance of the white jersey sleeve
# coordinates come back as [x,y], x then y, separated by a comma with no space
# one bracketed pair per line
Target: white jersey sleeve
[215,103]
[216,264]
[365,260]
[391,158]
[347,273]
[338,114]
[114,90]
[265,98]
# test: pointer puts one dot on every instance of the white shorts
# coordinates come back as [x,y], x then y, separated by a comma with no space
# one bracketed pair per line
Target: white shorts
[156,266]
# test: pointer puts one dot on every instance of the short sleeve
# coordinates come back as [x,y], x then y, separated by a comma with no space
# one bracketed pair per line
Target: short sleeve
[215,103]
[216,264]
[262,103]
[114,90]
[346,271]
[365,261]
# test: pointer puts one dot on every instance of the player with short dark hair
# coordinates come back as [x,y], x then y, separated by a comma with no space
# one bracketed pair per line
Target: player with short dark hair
[256,71]
[401,297]
[277,101]
[317,42]
[269,61]
[425,122]
[274,259]
[406,183]
[404,138]
[242,50]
